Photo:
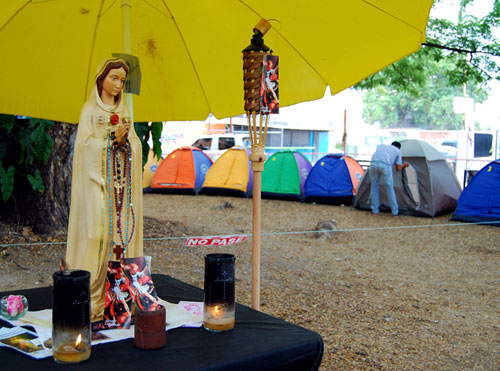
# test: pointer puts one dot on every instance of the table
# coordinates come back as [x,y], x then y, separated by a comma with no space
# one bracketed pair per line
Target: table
[258,342]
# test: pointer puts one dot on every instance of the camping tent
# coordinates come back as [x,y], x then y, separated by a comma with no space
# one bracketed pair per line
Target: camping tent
[182,171]
[149,170]
[333,180]
[428,187]
[285,173]
[231,174]
[480,200]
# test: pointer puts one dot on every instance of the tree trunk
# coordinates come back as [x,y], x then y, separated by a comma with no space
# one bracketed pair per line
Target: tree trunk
[48,213]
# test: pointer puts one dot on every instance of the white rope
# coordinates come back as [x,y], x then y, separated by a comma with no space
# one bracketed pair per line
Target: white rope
[283,233]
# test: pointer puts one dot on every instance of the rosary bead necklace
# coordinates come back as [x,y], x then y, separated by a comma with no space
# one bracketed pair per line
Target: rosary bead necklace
[119,181]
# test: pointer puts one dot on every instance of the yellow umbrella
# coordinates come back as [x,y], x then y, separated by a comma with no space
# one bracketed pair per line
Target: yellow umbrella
[190,50]
[190,55]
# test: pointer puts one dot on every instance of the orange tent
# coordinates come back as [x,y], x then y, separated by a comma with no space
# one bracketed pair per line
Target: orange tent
[149,170]
[183,170]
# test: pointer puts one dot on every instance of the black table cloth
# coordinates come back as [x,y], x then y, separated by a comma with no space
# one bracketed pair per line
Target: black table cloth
[257,342]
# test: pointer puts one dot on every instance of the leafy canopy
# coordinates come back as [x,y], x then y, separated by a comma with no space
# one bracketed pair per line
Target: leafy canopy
[418,90]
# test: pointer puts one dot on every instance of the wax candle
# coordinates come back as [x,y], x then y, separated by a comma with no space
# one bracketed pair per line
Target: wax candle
[71,326]
[71,350]
[218,317]
[219,305]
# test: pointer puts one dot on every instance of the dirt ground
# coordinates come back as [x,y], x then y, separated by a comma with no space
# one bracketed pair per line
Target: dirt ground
[400,293]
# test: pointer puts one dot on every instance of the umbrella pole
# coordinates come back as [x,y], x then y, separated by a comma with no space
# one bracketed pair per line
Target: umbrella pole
[127,48]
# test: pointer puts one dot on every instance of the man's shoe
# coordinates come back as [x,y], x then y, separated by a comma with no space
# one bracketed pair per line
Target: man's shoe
[374,214]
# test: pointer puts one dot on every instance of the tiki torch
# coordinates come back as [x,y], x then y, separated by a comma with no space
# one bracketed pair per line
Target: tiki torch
[258,107]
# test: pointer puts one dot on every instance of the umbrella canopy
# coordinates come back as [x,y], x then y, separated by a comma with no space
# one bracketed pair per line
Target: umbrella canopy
[190,51]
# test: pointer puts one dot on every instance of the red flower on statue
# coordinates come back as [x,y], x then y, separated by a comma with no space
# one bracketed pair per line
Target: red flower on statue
[115,119]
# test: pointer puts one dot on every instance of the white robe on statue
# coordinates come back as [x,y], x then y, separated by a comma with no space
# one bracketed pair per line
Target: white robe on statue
[88,230]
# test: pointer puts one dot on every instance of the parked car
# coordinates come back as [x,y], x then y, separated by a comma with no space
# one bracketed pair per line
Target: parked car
[215,145]
[449,152]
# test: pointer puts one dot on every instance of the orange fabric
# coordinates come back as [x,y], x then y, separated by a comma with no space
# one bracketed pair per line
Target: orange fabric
[147,176]
[176,170]
[355,172]
[186,175]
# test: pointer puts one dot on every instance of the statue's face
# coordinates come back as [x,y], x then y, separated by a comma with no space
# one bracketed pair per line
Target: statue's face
[112,84]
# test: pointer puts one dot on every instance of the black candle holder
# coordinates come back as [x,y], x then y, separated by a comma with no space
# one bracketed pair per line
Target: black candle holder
[219,306]
[71,326]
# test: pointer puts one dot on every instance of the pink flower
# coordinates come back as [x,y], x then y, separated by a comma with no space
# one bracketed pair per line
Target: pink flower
[115,119]
[14,305]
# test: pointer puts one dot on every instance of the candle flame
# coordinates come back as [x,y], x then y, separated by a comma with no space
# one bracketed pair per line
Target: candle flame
[78,340]
[216,309]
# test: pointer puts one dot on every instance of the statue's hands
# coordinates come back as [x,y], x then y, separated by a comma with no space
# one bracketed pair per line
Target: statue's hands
[122,134]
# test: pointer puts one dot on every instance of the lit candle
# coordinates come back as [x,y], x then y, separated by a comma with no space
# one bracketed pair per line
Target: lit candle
[219,305]
[71,331]
[218,318]
[72,352]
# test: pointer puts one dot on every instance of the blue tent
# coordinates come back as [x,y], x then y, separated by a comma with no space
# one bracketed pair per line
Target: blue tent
[333,180]
[480,200]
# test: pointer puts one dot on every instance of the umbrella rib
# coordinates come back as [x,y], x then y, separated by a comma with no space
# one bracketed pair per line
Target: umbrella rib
[109,7]
[288,42]
[188,53]
[14,15]
[391,15]
[99,14]
[155,8]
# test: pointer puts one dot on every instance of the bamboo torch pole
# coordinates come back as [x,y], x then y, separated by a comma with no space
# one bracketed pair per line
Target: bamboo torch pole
[252,72]
[258,158]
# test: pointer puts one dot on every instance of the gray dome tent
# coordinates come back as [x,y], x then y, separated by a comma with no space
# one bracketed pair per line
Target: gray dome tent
[428,187]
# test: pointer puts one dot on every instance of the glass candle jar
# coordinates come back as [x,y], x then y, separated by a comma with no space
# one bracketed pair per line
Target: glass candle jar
[13,306]
[219,305]
[71,326]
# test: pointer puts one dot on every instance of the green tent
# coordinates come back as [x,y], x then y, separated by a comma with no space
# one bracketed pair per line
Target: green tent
[284,175]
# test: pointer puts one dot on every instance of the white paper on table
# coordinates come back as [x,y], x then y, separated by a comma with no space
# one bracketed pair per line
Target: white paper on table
[184,314]
[24,341]
[195,308]
[40,320]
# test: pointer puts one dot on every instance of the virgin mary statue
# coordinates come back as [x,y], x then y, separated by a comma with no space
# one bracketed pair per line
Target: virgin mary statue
[106,217]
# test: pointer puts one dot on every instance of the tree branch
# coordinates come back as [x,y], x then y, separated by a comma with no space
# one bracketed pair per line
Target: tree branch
[489,77]
[458,50]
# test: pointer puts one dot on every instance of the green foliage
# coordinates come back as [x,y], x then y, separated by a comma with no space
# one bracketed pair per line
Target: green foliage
[468,47]
[7,181]
[22,143]
[36,182]
[41,141]
[432,109]
[146,131]
[418,90]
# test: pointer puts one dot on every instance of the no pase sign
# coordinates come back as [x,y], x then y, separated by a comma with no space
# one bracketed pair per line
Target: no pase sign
[215,241]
